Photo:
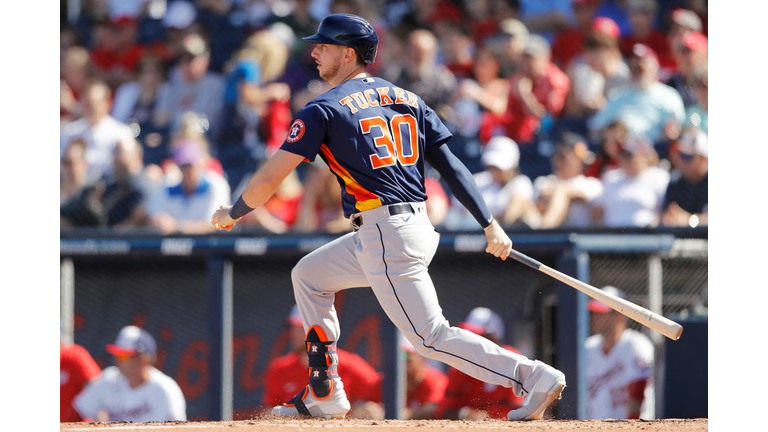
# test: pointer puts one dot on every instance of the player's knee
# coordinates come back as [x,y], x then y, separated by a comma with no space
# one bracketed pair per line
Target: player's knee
[432,339]
[300,272]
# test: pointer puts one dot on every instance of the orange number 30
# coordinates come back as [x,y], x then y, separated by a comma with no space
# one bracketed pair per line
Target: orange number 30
[403,148]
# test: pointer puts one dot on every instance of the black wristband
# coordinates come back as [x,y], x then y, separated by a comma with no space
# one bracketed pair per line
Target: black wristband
[240,209]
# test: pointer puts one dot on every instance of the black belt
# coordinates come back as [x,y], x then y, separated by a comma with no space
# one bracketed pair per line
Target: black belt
[394,209]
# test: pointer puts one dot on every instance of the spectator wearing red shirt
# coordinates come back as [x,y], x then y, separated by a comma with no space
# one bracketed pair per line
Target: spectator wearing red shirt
[481,100]
[77,369]
[286,375]
[425,384]
[642,16]
[117,58]
[569,43]
[608,156]
[469,398]
[539,89]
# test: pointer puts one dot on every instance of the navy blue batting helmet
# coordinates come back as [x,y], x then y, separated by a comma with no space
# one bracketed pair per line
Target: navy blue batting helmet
[348,30]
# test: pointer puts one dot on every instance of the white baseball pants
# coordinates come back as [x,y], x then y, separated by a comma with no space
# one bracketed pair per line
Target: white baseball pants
[391,255]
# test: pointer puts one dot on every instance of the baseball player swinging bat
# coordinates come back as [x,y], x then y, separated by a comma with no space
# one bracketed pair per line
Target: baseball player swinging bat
[640,314]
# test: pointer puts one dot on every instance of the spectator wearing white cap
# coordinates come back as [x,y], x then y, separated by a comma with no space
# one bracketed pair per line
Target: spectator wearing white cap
[564,197]
[508,193]
[647,106]
[619,366]
[467,397]
[133,390]
[633,194]
[188,206]
[686,201]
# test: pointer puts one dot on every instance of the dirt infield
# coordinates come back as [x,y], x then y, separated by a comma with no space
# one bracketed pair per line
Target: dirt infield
[281,425]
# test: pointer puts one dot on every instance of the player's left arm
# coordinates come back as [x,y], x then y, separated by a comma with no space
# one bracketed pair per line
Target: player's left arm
[260,187]
[464,188]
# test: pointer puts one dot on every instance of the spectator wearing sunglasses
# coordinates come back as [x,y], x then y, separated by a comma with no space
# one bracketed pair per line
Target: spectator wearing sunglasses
[132,390]
[686,199]
[632,194]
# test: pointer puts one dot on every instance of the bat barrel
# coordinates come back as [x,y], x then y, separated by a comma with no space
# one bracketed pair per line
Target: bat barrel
[638,313]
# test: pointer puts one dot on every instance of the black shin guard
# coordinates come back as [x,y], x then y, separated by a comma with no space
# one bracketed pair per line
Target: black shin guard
[322,363]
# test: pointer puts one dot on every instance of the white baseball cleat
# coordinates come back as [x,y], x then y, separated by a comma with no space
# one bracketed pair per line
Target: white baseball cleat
[305,404]
[547,385]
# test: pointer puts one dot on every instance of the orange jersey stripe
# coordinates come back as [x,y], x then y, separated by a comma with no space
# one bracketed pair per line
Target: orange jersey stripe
[366,200]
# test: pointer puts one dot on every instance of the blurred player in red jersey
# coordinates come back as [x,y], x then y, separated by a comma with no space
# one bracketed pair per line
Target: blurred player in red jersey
[469,398]
[77,369]
[287,375]
[425,385]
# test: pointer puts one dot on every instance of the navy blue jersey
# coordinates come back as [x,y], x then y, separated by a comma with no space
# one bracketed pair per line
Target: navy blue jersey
[373,136]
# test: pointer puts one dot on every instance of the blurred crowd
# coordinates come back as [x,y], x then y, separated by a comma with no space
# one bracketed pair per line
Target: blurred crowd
[572,114]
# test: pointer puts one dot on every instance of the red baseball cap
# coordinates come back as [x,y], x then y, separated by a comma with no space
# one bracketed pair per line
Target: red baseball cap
[596,306]
[695,41]
[606,26]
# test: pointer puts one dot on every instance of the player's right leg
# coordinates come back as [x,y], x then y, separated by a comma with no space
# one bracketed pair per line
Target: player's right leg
[316,279]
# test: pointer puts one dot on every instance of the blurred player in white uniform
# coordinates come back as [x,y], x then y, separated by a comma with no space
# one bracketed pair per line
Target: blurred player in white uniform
[619,366]
[133,390]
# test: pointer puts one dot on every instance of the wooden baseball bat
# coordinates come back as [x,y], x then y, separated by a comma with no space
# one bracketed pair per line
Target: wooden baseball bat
[638,313]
